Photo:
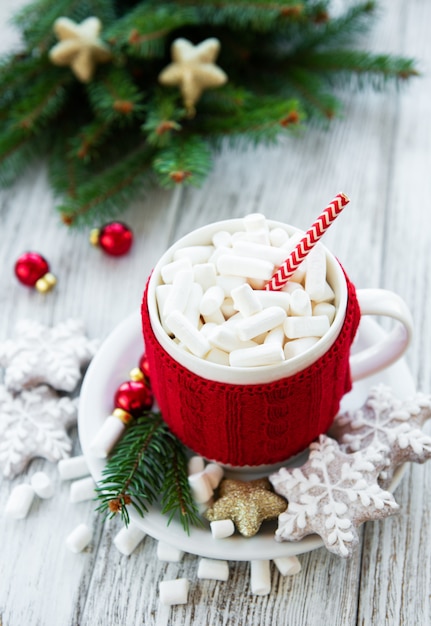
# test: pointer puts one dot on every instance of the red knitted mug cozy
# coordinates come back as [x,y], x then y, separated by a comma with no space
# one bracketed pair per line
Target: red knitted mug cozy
[252,424]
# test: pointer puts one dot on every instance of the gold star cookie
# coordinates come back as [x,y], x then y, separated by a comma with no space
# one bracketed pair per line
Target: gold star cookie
[193,70]
[247,504]
[79,47]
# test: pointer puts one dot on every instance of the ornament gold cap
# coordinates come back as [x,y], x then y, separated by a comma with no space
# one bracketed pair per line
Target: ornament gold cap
[94,236]
[46,283]
[136,374]
[123,416]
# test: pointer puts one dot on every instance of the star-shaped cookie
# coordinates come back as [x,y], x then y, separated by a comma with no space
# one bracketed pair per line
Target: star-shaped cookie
[247,504]
[79,47]
[388,424]
[331,494]
[193,70]
[33,424]
[39,354]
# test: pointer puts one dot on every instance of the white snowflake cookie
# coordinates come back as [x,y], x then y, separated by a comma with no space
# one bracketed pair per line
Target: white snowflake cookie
[331,495]
[43,355]
[33,424]
[387,424]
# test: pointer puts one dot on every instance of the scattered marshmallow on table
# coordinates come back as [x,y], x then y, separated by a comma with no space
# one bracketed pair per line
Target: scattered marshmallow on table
[79,538]
[128,539]
[260,577]
[73,467]
[288,565]
[82,490]
[174,591]
[213,569]
[214,305]
[42,485]
[19,502]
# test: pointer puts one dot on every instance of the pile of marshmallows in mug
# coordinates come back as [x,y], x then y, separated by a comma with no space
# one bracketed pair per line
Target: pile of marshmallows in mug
[214,305]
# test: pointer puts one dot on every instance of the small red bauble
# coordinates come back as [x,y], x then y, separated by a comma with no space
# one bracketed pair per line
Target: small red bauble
[144,366]
[32,270]
[114,238]
[134,396]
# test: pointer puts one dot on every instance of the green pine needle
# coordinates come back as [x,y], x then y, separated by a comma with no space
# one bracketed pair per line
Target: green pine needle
[148,464]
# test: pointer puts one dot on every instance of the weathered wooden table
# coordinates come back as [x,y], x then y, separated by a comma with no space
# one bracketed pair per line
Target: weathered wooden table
[380,155]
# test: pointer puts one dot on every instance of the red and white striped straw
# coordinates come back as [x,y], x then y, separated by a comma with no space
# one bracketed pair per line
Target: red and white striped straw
[311,237]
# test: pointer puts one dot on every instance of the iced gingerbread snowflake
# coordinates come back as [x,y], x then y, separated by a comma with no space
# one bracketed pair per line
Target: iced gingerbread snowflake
[331,495]
[40,355]
[33,424]
[387,424]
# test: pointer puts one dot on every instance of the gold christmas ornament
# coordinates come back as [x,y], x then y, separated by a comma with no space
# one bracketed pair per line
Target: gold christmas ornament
[79,46]
[247,504]
[193,70]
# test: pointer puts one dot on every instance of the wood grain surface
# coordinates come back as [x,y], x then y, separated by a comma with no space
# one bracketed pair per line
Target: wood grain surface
[379,153]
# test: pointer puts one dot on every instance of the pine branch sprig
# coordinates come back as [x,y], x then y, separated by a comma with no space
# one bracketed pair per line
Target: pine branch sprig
[148,464]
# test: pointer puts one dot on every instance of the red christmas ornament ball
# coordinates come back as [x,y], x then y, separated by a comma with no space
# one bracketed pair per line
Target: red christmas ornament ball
[115,238]
[134,396]
[32,270]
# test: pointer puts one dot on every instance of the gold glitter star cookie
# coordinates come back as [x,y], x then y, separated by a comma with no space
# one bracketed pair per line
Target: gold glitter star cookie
[193,70]
[247,504]
[79,47]
[331,494]
[388,424]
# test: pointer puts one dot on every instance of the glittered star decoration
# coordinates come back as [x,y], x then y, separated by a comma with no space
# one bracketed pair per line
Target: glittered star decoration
[33,424]
[193,70]
[43,355]
[247,504]
[387,424]
[79,46]
[331,495]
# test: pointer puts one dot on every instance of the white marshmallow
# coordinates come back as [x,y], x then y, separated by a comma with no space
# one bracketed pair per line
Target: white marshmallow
[184,330]
[222,238]
[315,278]
[162,294]
[274,298]
[227,307]
[216,317]
[258,236]
[265,354]
[296,327]
[325,308]
[218,252]
[192,311]
[179,294]
[79,538]
[227,283]
[278,237]
[195,465]
[196,254]
[200,486]
[207,328]
[260,577]
[74,467]
[288,565]
[261,322]
[19,501]
[328,295]
[107,437]
[42,485]
[220,529]
[291,286]
[217,356]
[205,275]
[243,266]
[211,300]
[128,539]
[170,270]
[298,346]
[174,591]
[245,300]
[255,222]
[214,472]
[259,251]
[276,336]
[213,569]
[81,490]
[300,303]
[225,338]
[166,552]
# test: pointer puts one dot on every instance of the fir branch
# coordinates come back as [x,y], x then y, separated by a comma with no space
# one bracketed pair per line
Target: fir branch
[115,97]
[147,464]
[186,160]
[164,118]
[107,191]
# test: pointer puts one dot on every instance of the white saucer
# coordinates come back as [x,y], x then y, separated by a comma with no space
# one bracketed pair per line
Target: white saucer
[111,366]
